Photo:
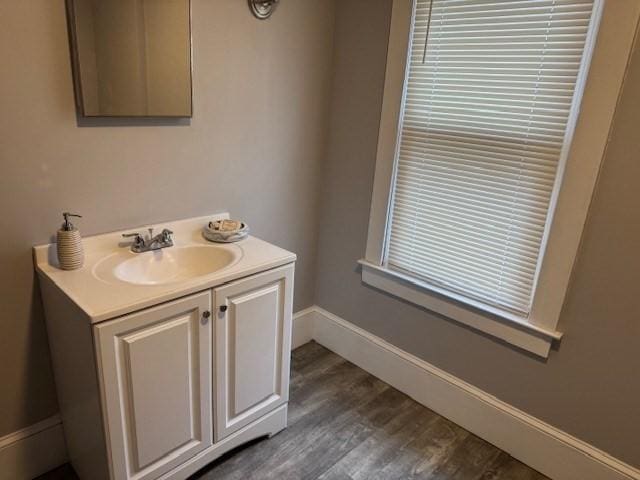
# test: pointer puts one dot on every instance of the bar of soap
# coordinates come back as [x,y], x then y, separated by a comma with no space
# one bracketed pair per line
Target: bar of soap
[226,225]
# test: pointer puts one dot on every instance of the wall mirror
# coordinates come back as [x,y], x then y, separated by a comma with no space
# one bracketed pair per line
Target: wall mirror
[131,58]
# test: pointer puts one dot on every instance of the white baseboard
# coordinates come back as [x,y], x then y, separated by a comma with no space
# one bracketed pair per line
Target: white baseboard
[552,452]
[32,451]
[302,328]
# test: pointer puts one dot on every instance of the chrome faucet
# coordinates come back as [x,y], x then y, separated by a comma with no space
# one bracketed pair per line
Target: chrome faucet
[162,240]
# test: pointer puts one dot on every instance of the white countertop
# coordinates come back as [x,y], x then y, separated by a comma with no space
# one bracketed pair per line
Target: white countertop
[103,298]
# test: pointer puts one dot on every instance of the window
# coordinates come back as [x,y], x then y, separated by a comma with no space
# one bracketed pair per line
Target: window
[488,98]
[476,131]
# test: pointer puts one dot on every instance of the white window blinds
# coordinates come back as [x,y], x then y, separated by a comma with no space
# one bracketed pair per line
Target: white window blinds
[488,95]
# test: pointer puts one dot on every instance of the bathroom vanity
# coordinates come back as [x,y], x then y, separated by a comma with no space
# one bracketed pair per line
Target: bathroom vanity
[165,360]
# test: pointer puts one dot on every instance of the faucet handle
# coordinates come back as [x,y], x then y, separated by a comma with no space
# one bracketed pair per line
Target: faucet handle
[166,234]
[137,237]
[138,241]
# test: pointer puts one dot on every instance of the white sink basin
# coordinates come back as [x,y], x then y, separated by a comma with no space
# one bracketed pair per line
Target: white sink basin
[168,265]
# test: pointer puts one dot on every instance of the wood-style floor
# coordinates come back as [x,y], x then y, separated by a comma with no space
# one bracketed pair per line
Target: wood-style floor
[345,424]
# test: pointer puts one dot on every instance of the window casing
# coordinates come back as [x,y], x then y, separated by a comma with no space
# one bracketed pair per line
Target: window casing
[530,321]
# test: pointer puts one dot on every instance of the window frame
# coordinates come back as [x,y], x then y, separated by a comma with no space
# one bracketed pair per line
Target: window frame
[607,49]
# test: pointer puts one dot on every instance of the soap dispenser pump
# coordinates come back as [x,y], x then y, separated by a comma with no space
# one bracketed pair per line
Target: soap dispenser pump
[69,244]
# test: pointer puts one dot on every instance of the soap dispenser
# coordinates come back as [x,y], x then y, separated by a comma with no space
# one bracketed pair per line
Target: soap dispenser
[69,245]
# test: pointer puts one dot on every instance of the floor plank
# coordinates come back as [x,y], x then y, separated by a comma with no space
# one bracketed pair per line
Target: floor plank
[345,424]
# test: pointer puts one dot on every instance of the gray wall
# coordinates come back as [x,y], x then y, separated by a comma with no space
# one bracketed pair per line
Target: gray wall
[253,148]
[589,387]
[256,147]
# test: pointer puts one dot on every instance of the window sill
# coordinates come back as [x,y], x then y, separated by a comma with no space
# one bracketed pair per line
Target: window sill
[505,326]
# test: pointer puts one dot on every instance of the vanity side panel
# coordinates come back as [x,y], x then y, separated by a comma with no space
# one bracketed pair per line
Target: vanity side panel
[74,366]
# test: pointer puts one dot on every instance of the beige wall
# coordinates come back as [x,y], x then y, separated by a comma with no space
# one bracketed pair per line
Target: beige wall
[167,61]
[120,57]
[588,387]
[253,148]
[86,45]
[134,57]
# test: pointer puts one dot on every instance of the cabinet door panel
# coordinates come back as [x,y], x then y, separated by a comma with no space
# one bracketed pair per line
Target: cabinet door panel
[252,345]
[155,369]
[160,386]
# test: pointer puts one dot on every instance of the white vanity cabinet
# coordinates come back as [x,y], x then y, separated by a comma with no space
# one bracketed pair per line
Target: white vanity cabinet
[155,382]
[161,368]
[165,360]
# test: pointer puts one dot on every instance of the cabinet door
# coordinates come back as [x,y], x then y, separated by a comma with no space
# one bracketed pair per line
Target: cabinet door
[253,343]
[155,379]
